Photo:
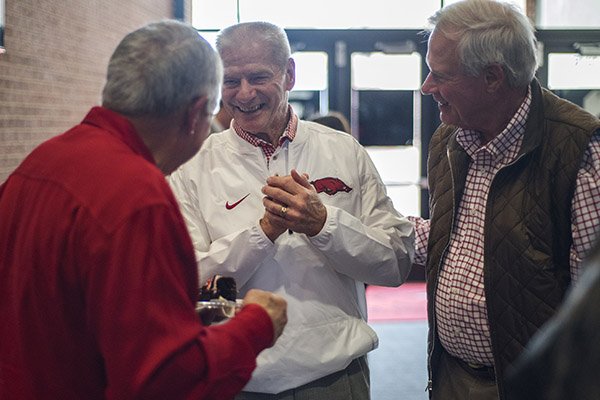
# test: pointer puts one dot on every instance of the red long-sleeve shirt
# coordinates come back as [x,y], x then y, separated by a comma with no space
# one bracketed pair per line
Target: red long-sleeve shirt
[98,280]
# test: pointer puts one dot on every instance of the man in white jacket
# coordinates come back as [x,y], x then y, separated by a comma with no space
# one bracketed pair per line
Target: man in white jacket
[296,208]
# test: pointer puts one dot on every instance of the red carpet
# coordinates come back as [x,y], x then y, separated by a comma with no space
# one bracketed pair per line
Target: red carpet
[405,303]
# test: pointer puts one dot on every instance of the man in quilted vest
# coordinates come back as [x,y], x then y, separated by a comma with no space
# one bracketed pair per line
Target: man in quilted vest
[513,174]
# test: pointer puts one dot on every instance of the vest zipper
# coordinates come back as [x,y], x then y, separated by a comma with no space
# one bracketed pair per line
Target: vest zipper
[433,327]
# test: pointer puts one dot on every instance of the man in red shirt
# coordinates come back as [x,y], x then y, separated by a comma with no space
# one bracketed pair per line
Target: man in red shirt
[99,278]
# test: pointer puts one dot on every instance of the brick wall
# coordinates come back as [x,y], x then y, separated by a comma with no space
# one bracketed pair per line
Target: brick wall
[55,64]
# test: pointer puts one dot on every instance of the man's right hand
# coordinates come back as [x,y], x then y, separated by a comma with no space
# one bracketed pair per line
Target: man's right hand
[272,230]
[274,305]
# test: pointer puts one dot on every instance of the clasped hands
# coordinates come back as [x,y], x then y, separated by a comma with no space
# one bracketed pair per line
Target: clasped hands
[291,204]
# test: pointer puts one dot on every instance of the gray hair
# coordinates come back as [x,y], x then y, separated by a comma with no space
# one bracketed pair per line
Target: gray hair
[272,36]
[160,68]
[490,32]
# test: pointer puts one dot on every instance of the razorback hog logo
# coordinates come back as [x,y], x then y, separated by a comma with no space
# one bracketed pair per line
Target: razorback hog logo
[330,185]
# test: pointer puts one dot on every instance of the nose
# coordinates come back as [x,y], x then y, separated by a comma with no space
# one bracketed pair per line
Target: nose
[246,90]
[427,86]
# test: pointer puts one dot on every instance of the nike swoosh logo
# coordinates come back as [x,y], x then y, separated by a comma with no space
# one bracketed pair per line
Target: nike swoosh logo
[233,205]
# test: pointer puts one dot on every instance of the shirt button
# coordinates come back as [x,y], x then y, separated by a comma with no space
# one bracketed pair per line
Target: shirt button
[274,157]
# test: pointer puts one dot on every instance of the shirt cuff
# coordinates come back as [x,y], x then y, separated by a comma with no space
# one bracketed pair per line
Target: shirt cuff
[258,236]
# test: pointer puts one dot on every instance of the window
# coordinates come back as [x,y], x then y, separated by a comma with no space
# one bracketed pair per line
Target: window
[386,98]
[575,77]
[211,14]
[320,14]
[400,172]
[313,65]
[573,71]
[519,3]
[310,93]
[565,14]
[386,118]
[386,71]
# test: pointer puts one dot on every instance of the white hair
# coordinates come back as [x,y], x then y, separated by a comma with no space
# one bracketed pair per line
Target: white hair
[160,68]
[490,32]
[270,35]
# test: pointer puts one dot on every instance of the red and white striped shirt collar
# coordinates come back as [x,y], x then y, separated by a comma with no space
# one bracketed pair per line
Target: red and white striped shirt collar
[268,149]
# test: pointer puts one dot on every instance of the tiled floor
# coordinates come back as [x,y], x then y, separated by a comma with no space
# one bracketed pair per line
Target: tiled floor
[398,367]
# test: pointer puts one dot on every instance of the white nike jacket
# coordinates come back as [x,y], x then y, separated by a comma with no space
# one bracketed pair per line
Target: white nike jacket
[364,240]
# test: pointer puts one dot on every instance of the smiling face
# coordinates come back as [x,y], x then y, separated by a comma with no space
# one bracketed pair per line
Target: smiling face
[255,89]
[463,100]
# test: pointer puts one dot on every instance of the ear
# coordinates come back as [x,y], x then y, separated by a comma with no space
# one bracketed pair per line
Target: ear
[494,77]
[290,74]
[197,112]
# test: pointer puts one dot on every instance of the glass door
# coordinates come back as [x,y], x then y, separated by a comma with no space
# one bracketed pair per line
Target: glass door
[385,117]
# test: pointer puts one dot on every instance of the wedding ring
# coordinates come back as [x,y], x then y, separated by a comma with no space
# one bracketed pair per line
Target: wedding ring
[283,211]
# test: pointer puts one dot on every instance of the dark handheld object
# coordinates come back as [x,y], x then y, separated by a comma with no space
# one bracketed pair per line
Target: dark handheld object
[218,287]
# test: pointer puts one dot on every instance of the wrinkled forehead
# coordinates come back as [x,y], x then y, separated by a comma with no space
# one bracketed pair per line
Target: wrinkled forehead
[246,51]
[249,60]
[441,49]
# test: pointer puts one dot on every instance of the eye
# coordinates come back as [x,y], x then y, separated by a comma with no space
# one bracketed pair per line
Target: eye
[259,79]
[231,83]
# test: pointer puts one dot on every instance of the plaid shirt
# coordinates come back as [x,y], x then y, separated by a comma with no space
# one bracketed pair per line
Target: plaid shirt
[461,313]
[268,149]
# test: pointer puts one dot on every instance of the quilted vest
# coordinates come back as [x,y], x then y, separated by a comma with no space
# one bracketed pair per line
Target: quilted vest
[527,224]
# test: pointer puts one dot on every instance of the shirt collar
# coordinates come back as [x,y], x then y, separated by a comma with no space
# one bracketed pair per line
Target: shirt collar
[505,146]
[120,127]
